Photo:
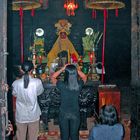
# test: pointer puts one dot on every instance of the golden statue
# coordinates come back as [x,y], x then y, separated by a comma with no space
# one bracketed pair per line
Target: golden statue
[62,43]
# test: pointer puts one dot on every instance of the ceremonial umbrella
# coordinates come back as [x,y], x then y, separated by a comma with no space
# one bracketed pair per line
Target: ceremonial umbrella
[104,5]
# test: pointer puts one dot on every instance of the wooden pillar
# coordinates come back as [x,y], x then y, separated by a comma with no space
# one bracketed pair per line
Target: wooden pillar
[135,40]
[3,69]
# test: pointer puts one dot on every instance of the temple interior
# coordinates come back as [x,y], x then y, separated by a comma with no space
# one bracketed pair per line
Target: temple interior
[102,39]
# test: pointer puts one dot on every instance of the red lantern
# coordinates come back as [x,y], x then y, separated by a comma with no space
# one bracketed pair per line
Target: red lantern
[116,12]
[70,6]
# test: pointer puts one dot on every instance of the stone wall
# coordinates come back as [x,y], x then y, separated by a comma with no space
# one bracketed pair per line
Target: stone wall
[135,39]
[135,114]
[3,78]
[135,68]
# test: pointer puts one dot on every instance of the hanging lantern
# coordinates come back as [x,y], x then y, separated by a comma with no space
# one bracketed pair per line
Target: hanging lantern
[70,6]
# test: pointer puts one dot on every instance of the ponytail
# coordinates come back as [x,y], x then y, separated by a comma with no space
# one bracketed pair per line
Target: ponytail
[26,67]
[26,79]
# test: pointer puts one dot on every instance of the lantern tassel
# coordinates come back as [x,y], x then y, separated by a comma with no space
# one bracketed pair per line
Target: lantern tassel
[21,11]
[94,14]
[117,12]
[33,12]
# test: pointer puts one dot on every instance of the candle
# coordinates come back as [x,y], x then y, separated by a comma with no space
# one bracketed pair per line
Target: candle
[68,55]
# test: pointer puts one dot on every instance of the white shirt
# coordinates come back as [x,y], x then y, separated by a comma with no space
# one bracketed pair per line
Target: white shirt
[27,107]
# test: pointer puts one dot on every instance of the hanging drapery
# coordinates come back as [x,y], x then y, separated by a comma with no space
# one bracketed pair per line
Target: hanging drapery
[104,5]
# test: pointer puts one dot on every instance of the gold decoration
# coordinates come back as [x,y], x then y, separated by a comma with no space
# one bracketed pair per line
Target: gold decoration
[105,4]
[62,43]
[63,25]
[25,5]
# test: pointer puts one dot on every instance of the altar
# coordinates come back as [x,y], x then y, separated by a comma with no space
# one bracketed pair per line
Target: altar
[64,52]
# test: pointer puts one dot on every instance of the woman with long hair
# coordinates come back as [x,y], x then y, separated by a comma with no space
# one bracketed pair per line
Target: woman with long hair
[69,115]
[26,90]
[109,127]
